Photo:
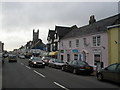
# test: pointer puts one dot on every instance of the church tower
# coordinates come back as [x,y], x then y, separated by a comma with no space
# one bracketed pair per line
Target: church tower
[35,36]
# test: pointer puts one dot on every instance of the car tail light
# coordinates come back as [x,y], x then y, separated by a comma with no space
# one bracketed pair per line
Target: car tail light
[82,67]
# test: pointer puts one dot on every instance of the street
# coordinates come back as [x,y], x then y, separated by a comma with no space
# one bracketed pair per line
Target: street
[20,75]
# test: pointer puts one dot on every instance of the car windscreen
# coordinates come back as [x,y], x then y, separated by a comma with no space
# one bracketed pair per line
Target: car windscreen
[82,63]
[58,61]
[36,59]
[12,56]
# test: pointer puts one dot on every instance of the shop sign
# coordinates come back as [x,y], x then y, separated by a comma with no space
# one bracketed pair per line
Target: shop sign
[75,50]
[97,50]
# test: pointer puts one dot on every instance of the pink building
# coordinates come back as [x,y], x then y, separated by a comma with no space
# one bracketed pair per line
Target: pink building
[88,43]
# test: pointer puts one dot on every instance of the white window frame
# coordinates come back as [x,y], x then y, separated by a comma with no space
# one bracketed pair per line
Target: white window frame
[96,40]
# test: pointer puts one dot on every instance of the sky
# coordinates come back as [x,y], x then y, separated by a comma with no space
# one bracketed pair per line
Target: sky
[18,19]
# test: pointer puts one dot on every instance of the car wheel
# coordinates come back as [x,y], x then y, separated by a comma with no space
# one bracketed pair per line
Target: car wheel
[100,77]
[74,71]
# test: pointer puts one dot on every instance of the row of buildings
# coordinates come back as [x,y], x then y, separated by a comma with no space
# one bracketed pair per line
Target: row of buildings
[97,42]
[34,47]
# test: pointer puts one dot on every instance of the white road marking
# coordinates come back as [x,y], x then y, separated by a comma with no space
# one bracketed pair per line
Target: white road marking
[27,67]
[39,73]
[60,86]
[22,64]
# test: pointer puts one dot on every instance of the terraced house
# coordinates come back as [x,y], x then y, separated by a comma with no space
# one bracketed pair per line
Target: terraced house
[114,43]
[88,43]
[54,37]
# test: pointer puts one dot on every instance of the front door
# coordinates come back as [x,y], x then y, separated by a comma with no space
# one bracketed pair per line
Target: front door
[68,57]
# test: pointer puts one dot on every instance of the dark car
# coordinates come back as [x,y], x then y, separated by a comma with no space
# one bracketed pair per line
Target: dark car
[36,62]
[56,63]
[78,67]
[46,60]
[112,73]
[12,58]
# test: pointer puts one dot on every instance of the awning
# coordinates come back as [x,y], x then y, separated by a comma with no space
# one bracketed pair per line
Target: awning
[53,53]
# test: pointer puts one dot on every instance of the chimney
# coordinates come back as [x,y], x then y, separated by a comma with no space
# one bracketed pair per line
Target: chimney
[92,19]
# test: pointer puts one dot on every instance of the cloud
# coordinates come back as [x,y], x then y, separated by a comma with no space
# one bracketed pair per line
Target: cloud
[23,17]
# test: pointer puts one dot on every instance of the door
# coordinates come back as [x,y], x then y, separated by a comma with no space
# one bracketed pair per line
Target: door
[61,57]
[110,72]
[69,66]
[68,57]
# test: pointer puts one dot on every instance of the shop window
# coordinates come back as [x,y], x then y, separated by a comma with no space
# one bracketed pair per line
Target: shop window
[75,56]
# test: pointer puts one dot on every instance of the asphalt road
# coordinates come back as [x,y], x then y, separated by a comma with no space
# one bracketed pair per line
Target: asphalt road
[20,75]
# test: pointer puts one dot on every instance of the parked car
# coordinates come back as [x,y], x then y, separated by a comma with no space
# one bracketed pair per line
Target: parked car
[111,72]
[22,56]
[46,60]
[36,62]
[78,67]
[56,63]
[12,58]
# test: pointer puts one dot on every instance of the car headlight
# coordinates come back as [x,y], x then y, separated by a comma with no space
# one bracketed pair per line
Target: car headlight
[43,63]
[34,62]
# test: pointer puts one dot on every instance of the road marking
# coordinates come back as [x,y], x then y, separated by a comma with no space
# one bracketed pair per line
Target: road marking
[27,67]
[22,64]
[39,73]
[60,86]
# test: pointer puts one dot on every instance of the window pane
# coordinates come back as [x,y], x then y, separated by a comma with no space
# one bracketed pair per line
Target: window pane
[77,43]
[118,68]
[98,40]
[70,43]
[75,56]
[94,41]
[112,67]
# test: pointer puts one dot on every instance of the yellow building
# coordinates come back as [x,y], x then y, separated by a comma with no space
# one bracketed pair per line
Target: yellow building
[114,43]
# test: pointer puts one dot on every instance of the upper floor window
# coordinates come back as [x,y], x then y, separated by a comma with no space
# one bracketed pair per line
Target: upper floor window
[84,41]
[70,44]
[96,40]
[55,35]
[77,43]
[62,44]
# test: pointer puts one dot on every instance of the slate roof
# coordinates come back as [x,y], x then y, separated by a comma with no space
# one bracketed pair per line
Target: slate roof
[51,34]
[97,27]
[39,45]
[62,31]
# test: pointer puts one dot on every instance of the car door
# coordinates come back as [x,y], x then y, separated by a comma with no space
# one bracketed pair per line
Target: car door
[69,66]
[110,72]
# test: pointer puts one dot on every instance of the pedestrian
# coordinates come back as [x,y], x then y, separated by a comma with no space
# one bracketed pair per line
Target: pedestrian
[98,67]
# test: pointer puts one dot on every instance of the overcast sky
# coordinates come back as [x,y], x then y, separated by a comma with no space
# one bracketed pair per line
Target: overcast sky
[20,18]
